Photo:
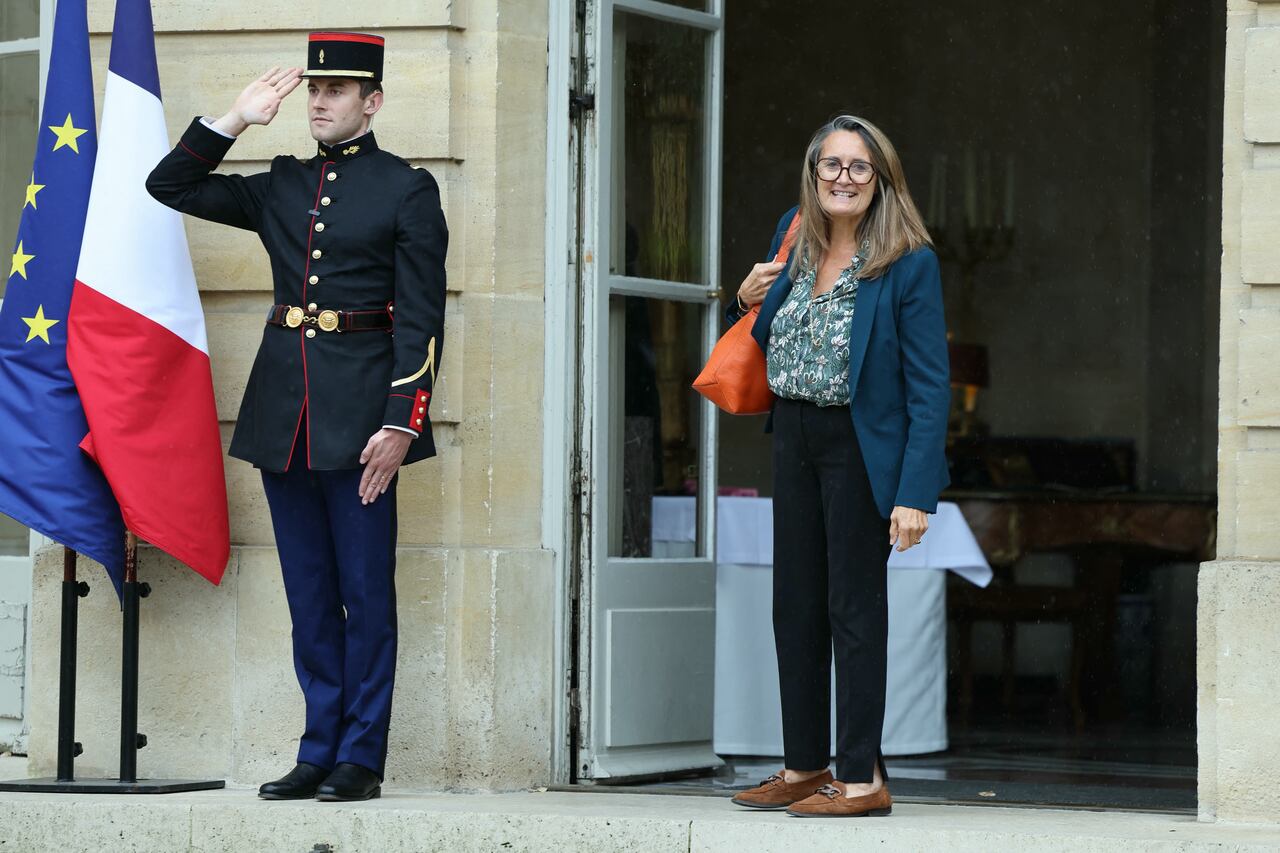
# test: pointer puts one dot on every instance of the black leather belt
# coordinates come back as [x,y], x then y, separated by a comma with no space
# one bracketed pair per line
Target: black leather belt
[328,320]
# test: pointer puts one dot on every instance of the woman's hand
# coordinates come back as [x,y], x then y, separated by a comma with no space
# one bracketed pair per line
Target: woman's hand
[906,526]
[757,283]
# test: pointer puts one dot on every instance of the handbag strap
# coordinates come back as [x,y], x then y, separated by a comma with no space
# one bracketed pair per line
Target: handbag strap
[788,241]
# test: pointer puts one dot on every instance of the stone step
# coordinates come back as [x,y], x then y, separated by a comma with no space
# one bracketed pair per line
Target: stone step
[558,822]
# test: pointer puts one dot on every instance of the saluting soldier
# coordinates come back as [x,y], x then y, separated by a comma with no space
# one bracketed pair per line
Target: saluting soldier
[337,400]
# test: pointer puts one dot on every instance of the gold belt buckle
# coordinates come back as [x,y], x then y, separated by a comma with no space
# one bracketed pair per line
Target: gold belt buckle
[328,320]
[293,319]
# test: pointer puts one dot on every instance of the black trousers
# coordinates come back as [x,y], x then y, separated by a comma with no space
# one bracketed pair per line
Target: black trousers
[830,550]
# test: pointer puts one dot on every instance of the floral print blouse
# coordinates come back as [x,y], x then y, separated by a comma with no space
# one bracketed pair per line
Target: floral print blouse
[808,357]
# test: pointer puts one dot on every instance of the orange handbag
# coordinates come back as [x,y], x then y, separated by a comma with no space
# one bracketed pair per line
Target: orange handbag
[734,378]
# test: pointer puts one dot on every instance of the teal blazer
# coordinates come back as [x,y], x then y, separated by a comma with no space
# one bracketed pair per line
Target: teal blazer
[899,375]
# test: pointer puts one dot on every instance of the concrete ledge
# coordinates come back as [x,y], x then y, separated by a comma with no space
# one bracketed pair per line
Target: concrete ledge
[565,822]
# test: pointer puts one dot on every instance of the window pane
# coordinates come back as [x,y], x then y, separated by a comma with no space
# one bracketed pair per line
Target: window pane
[655,351]
[659,147]
[19,103]
[19,19]
[13,538]
[696,5]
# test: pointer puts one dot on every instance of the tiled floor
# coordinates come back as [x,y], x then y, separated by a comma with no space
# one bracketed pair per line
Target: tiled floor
[1121,770]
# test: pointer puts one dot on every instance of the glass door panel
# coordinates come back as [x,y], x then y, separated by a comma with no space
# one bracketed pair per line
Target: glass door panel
[659,221]
[653,187]
[656,351]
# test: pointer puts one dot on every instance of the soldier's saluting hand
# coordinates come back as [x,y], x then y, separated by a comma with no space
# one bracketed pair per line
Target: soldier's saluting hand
[260,101]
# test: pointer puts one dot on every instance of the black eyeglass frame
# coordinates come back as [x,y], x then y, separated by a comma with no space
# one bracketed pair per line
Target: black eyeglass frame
[844,169]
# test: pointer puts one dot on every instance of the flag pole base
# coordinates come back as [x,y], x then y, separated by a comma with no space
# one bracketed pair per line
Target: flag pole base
[131,741]
[51,785]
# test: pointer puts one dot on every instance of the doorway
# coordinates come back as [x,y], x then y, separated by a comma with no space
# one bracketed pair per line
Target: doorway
[649,260]
[1068,160]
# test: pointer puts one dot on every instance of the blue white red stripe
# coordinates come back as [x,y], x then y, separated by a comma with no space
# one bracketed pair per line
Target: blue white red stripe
[136,344]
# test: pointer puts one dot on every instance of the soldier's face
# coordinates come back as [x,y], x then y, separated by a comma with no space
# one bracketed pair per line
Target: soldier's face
[336,111]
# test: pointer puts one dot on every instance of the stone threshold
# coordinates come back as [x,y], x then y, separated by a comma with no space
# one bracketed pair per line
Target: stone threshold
[562,822]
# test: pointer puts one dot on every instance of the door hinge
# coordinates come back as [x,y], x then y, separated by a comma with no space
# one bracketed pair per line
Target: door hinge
[575,726]
[580,103]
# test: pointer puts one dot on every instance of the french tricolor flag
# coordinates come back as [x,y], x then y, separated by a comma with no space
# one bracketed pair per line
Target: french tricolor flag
[136,340]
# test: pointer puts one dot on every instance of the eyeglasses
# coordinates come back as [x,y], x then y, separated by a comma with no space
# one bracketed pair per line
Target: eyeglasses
[860,171]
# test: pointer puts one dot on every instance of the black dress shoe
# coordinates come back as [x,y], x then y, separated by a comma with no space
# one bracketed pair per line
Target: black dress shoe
[300,783]
[350,782]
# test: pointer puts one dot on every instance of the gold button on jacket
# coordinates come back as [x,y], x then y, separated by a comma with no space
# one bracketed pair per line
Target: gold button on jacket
[382,243]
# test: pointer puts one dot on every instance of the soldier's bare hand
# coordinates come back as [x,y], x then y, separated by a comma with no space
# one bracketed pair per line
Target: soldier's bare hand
[260,101]
[381,459]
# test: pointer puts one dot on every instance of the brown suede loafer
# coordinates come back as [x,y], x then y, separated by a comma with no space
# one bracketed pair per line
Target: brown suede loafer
[830,801]
[777,793]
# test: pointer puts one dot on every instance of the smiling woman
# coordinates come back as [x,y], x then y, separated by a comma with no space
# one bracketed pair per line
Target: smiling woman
[856,353]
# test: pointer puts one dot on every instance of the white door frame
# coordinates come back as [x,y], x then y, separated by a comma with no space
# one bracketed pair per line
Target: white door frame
[560,373]
[598,175]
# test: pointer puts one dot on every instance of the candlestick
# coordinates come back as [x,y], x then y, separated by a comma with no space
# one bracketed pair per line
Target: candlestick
[942,191]
[931,211]
[970,188]
[1008,192]
[988,191]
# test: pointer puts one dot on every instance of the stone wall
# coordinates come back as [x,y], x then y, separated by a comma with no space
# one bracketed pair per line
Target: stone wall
[466,98]
[1239,645]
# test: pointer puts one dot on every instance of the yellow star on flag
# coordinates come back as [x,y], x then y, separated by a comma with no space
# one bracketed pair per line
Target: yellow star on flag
[32,189]
[20,259]
[39,325]
[67,135]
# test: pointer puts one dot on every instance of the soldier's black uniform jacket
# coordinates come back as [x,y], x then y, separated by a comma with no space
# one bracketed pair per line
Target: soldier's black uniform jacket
[353,229]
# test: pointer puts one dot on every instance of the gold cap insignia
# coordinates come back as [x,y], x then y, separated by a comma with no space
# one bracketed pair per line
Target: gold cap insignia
[322,56]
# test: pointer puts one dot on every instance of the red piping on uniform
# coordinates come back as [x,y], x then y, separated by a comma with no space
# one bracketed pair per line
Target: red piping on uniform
[293,444]
[195,155]
[311,232]
[302,340]
[357,37]
[306,383]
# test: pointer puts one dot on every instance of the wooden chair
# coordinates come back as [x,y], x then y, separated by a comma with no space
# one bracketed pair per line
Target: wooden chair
[1008,604]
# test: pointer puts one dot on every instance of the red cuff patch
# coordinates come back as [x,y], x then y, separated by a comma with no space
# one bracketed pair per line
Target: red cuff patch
[418,413]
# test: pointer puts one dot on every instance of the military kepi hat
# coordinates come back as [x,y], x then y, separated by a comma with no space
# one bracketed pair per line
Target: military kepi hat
[356,55]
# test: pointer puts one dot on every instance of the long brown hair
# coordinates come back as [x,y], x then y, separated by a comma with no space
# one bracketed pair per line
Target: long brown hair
[892,225]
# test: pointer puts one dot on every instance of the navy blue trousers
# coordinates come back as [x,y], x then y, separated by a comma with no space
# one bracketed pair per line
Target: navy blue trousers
[339,560]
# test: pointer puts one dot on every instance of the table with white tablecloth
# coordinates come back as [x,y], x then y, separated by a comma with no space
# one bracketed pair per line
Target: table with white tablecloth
[748,717]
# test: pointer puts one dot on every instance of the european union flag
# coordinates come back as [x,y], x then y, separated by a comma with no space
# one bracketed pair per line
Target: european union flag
[46,481]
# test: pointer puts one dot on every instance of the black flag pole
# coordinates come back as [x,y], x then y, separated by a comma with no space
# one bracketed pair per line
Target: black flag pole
[72,591]
[130,739]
